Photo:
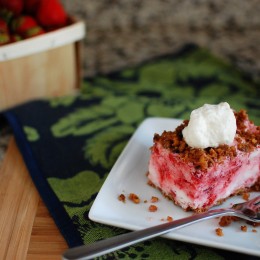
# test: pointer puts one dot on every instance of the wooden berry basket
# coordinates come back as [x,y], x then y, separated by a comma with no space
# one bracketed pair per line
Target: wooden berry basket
[43,66]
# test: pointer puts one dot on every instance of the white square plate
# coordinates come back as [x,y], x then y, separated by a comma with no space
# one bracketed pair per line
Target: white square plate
[128,175]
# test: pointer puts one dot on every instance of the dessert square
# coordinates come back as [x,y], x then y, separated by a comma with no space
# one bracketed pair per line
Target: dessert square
[199,178]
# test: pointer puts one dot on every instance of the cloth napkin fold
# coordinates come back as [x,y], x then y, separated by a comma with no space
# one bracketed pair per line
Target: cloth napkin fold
[69,144]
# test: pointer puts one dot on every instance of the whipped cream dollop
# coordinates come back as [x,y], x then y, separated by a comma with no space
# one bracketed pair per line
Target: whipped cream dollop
[210,126]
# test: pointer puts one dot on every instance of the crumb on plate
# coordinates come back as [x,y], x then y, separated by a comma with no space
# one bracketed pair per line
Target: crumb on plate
[227,220]
[219,232]
[246,196]
[121,197]
[133,197]
[153,208]
[154,199]
[169,219]
[243,228]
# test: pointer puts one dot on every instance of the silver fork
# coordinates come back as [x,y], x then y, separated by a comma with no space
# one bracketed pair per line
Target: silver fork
[249,210]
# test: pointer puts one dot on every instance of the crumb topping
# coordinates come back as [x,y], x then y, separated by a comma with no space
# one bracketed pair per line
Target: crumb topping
[205,158]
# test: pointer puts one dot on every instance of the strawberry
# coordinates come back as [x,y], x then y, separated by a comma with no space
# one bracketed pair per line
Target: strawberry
[3,26]
[15,6]
[22,24]
[31,6]
[51,14]
[15,38]
[4,38]
[34,31]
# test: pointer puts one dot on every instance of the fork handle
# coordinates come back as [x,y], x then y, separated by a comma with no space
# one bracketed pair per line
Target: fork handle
[109,245]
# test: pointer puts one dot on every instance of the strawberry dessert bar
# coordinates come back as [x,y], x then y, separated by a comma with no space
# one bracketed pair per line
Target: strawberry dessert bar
[205,160]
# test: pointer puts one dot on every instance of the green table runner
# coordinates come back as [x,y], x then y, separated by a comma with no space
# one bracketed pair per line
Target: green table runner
[70,144]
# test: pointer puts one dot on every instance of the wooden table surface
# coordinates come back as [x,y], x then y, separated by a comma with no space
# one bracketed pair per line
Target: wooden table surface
[27,230]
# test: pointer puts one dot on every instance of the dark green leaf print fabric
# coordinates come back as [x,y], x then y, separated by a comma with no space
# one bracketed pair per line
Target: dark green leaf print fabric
[71,143]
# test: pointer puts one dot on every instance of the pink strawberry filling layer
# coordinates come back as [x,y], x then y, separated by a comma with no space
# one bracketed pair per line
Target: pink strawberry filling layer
[197,189]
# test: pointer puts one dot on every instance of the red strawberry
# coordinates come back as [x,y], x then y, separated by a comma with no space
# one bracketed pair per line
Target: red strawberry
[31,6]
[51,14]
[22,24]
[15,6]
[3,26]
